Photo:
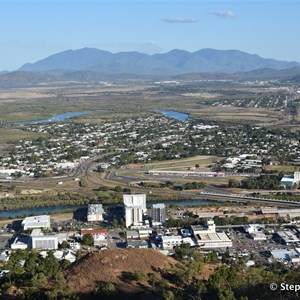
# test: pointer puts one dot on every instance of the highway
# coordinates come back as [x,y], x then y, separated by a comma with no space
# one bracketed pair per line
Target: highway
[243,198]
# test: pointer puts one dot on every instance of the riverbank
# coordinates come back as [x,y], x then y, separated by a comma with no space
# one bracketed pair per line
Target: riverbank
[21,213]
[57,217]
[174,114]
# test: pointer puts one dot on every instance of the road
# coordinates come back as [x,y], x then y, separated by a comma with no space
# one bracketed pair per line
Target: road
[242,198]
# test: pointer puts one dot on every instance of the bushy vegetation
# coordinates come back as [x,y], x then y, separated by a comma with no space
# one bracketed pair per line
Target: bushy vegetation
[263,182]
[40,278]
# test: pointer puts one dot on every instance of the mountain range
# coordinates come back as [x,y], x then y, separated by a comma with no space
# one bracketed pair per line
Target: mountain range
[174,62]
[93,65]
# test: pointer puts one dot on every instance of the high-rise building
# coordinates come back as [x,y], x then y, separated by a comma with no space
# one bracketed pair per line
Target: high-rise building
[95,213]
[158,214]
[136,200]
[133,216]
[135,207]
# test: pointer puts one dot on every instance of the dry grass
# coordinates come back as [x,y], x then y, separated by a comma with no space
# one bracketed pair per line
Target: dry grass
[111,265]
[8,135]
[230,113]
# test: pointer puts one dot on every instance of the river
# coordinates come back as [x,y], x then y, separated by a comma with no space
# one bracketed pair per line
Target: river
[168,113]
[56,118]
[52,209]
[174,114]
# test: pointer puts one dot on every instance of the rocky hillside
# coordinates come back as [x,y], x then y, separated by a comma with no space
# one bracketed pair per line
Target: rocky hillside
[117,267]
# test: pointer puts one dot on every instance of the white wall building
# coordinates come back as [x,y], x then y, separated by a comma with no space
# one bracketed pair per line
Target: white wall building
[43,242]
[253,228]
[208,237]
[21,243]
[198,229]
[134,216]
[135,207]
[36,222]
[135,200]
[170,241]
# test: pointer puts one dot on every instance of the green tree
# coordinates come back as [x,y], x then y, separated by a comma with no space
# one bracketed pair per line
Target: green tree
[233,183]
[168,295]
[118,189]
[64,245]
[39,280]
[154,279]
[115,223]
[106,290]
[88,239]
[65,263]
[140,275]
[103,188]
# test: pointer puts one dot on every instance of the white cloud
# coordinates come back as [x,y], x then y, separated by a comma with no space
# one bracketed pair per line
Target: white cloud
[181,20]
[225,14]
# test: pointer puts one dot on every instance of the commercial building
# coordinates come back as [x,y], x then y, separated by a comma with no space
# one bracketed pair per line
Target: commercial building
[208,237]
[253,228]
[289,255]
[132,234]
[94,232]
[158,214]
[210,228]
[286,237]
[145,232]
[170,241]
[141,244]
[213,240]
[36,222]
[290,180]
[258,236]
[44,242]
[95,213]
[186,173]
[21,243]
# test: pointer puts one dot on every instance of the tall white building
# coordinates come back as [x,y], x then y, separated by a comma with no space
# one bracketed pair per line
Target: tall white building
[136,200]
[135,207]
[133,216]
[95,213]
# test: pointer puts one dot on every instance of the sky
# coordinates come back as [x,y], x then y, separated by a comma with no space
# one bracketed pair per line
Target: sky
[33,30]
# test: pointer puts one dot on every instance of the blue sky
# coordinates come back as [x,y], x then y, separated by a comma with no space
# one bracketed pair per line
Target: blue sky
[32,30]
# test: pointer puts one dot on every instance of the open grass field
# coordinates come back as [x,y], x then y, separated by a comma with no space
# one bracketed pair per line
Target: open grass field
[230,113]
[8,135]
[182,164]
[283,168]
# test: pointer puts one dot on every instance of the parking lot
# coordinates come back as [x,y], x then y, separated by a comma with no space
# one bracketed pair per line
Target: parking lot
[4,240]
[244,246]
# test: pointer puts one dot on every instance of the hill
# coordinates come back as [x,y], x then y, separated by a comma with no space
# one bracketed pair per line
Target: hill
[24,79]
[171,63]
[115,266]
